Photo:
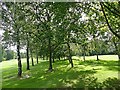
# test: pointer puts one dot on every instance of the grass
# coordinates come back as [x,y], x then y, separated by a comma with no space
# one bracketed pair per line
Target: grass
[84,74]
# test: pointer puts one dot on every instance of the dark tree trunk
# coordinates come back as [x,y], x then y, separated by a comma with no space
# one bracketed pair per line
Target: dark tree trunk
[18,56]
[119,57]
[70,56]
[84,53]
[31,57]
[97,57]
[27,51]
[37,56]
[43,57]
[53,57]
[59,57]
[50,55]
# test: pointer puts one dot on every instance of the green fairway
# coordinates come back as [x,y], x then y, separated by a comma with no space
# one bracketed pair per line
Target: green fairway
[84,74]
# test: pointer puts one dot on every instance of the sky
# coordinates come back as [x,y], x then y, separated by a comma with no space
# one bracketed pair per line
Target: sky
[1,32]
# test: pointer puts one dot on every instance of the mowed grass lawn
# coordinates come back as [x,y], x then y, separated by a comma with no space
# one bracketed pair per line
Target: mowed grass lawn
[84,74]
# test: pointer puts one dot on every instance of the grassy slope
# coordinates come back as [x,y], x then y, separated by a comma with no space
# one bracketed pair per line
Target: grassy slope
[83,73]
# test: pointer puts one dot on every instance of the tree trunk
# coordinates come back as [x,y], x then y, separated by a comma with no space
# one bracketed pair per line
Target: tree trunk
[97,57]
[119,57]
[18,57]
[53,57]
[31,57]
[50,55]
[84,53]
[84,57]
[37,56]
[70,56]
[59,57]
[1,55]
[27,51]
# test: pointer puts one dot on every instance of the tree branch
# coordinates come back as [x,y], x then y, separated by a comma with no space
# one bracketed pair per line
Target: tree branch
[108,22]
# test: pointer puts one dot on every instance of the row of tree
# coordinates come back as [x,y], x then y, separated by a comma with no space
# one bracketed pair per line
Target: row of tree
[52,29]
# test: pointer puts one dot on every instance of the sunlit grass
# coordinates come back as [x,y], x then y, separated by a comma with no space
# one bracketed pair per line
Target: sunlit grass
[101,57]
[81,75]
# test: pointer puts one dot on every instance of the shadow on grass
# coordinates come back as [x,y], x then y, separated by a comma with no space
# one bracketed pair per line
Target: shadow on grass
[62,77]
[110,65]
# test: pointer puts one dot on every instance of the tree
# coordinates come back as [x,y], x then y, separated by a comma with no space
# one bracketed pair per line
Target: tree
[116,32]
[15,22]
[9,54]
[1,53]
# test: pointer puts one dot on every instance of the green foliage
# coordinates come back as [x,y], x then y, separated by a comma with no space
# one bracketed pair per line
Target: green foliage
[9,54]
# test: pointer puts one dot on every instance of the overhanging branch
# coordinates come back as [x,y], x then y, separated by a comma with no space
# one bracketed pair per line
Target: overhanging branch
[108,22]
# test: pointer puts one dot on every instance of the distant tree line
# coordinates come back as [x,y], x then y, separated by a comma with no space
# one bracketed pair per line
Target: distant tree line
[7,54]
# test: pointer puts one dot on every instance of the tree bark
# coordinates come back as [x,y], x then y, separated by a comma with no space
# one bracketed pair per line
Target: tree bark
[59,57]
[43,57]
[70,56]
[37,56]
[97,57]
[50,54]
[84,53]
[31,57]
[18,56]
[53,57]
[27,52]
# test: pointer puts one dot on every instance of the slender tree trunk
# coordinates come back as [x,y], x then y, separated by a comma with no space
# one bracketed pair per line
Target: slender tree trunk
[37,56]
[84,53]
[27,51]
[53,57]
[119,57]
[70,56]
[84,57]
[32,57]
[1,55]
[18,56]
[59,57]
[97,57]
[50,55]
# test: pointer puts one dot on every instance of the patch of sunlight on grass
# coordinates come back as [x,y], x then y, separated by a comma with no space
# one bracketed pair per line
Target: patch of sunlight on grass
[101,57]
[108,57]
[102,75]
